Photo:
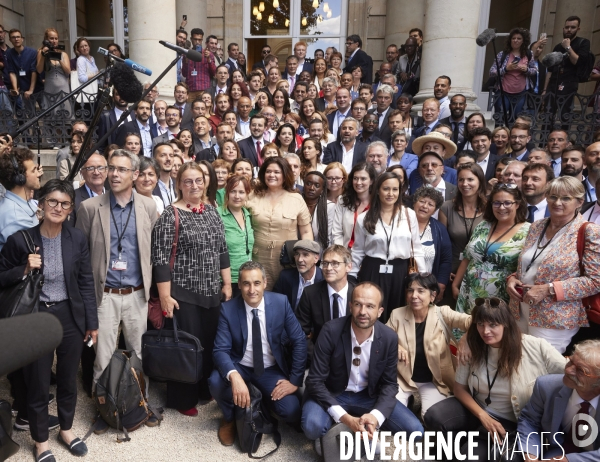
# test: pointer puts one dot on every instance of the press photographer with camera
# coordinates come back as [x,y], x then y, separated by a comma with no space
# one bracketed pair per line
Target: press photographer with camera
[54,62]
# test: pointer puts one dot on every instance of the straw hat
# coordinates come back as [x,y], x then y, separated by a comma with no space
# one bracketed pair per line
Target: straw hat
[436,137]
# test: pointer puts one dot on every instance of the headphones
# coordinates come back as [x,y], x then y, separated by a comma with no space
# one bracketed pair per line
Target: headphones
[18,175]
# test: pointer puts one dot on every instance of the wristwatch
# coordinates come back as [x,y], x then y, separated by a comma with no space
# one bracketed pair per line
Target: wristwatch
[551,289]
[568,48]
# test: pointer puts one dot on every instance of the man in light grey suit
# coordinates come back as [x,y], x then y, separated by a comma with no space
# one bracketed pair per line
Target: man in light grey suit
[558,407]
[118,226]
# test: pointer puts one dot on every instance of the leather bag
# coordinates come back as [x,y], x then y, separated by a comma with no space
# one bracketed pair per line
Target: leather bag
[286,257]
[172,355]
[254,421]
[155,311]
[591,303]
[23,297]
[412,264]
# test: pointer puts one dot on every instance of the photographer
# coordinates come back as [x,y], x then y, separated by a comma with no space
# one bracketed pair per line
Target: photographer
[54,62]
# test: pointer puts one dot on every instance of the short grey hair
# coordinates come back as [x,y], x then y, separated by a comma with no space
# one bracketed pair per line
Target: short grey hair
[376,144]
[331,80]
[135,160]
[351,119]
[566,185]
[589,352]
[293,155]
[387,76]
[546,153]
[385,89]
[252,265]
[339,250]
[398,133]
[426,192]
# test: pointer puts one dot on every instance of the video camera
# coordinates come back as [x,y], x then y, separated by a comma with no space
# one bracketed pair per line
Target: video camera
[54,52]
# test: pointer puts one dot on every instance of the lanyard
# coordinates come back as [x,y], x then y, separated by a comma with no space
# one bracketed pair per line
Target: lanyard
[489,244]
[488,400]
[591,212]
[541,249]
[245,228]
[119,238]
[387,238]
[469,231]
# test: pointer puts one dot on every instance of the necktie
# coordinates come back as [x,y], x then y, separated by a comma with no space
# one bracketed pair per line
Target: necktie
[293,82]
[220,91]
[257,353]
[455,132]
[336,306]
[580,425]
[258,149]
[532,209]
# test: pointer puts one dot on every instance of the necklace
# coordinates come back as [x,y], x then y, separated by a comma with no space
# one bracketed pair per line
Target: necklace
[197,210]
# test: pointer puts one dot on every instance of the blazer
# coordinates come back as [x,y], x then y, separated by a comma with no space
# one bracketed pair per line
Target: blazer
[287,283]
[490,172]
[93,218]
[331,120]
[331,364]
[365,62]
[209,154]
[384,133]
[132,127]
[258,65]
[231,66]
[437,353]
[459,146]
[320,104]
[449,176]
[164,138]
[81,194]
[561,267]
[186,117]
[314,309]
[77,270]
[343,224]
[334,153]
[108,119]
[282,327]
[285,75]
[248,150]
[544,413]
[442,262]
[417,132]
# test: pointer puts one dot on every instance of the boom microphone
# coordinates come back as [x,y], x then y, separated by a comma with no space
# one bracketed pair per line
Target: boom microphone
[23,339]
[128,62]
[486,37]
[552,59]
[126,83]
[192,55]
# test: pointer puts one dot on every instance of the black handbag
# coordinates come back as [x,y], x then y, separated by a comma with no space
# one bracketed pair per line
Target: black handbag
[254,421]
[286,257]
[23,297]
[172,355]
[8,447]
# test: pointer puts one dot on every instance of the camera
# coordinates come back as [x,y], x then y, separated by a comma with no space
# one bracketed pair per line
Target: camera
[54,52]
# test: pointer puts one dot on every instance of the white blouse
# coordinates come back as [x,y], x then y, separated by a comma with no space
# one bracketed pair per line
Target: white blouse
[375,245]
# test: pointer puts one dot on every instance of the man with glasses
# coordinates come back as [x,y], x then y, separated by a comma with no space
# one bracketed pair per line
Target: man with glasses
[518,139]
[266,50]
[198,75]
[140,126]
[358,58]
[330,298]
[360,390]
[432,172]
[173,118]
[151,97]
[564,408]
[118,226]
[269,113]
[431,112]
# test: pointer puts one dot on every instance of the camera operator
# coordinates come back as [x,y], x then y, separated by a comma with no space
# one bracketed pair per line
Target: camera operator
[54,62]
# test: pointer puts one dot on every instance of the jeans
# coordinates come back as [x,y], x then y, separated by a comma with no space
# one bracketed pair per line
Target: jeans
[513,104]
[316,421]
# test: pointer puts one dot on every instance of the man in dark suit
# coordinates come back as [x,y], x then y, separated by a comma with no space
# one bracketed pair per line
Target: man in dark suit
[94,173]
[139,125]
[349,151]
[173,126]
[384,98]
[518,139]
[349,352]
[290,74]
[431,171]
[300,53]
[560,407]
[221,79]
[250,147]
[224,133]
[109,119]
[343,102]
[329,88]
[292,281]
[328,299]
[437,141]
[358,58]
[457,120]
[481,140]
[181,97]
[253,329]
[233,50]
[431,112]
[534,181]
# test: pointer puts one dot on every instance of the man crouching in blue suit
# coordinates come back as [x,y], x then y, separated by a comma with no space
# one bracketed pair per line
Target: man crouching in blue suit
[249,347]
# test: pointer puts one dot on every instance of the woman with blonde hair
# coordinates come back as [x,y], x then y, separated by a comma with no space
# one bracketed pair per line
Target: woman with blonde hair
[336,177]
[500,140]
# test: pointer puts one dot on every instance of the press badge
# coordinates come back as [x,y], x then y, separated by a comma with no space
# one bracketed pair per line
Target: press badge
[22,73]
[119,265]
[194,73]
[461,256]
[386,269]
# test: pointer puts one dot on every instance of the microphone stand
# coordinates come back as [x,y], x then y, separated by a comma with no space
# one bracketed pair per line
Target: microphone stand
[84,155]
[500,82]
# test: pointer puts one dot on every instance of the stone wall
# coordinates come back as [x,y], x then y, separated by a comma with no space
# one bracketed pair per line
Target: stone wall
[12,15]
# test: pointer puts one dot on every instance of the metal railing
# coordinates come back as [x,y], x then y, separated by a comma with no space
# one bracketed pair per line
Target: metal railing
[578,114]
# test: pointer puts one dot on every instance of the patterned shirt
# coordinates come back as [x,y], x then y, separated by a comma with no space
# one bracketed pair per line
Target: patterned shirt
[197,75]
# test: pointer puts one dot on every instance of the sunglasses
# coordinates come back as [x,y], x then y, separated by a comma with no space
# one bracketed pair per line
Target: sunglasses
[357,351]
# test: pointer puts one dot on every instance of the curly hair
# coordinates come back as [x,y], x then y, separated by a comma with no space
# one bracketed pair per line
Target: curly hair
[524,46]
[261,188]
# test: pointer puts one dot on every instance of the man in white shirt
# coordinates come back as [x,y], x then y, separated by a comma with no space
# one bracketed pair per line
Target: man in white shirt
[534,181]
[592,163]
[358,390]
[249,347]
[165,188]
[335,119]
[299,94]
[160,114]
[481,140]
[300,53]
[244,107]
[440,91]
[349,151]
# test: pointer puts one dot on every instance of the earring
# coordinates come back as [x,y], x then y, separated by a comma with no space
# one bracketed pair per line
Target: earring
[69,217]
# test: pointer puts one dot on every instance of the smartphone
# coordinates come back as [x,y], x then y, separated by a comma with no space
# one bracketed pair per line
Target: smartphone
[543,35]
[516,60]
[185,17]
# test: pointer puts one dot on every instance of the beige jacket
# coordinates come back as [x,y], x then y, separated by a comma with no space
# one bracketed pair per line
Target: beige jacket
[437,352]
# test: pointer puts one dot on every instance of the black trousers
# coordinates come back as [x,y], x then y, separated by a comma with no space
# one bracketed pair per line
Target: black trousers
[18,390]
[37,377]
[201,323]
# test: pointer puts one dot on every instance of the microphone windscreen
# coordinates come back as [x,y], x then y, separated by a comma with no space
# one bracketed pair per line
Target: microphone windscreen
[486,37]
[552,59]
[126,83]
[194,55]
[23,339]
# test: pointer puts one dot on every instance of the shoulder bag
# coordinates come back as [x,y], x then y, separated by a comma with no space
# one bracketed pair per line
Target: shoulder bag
[286,257]
[412,264]
[23,297]
[591,303]
[155,312]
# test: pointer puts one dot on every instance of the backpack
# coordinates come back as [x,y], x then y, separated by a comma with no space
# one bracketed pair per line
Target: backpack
[585,67]
[121,394]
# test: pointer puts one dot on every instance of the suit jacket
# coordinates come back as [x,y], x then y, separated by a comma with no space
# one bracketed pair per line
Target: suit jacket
[282,327]
[333,152]
[248,150]
[365,62]
[258,65]
[449,176]
[108,119]
[93,218]
[314,307]
[285,74]
[491,167]
[385,132]
[81,194]
[459,146]
[287,283]
[164,138]
[132,127]
[544,413]
[77,271]
[331,120]
[209,154]
[419,131]
[186,117]
[331,363]
[231,66]
[320,104]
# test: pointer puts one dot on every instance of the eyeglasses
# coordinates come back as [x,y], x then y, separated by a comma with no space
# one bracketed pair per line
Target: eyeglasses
[518,137]
[334,179]
[563,199]
[66,205]
[92,169]
[189,182]
[120,170]
[580,370]
[350,43]
[499,204]
[332,264]
[357,351]
[430,165]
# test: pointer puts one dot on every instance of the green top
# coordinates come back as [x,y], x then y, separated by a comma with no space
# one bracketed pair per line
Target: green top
[239,242]
[220,197]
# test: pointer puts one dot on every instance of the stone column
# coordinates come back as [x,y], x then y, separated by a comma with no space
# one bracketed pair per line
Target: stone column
[38,16]
[449,48]
[196,15]
[149,22]
[401,17]
[585,9]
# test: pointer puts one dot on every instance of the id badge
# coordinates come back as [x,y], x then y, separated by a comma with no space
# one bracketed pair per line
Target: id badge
[561,87]
[119,265]
[194,73]
[22,73]
[386,269]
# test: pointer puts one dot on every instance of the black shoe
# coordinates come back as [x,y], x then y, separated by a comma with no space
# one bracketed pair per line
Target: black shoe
[45,456]
[50,399]
[76,447]
[100,426]
[152,421]
[52,378]
[53,422]
[21,424]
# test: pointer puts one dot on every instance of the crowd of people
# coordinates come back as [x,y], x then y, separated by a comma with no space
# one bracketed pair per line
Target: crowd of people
[332,249]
